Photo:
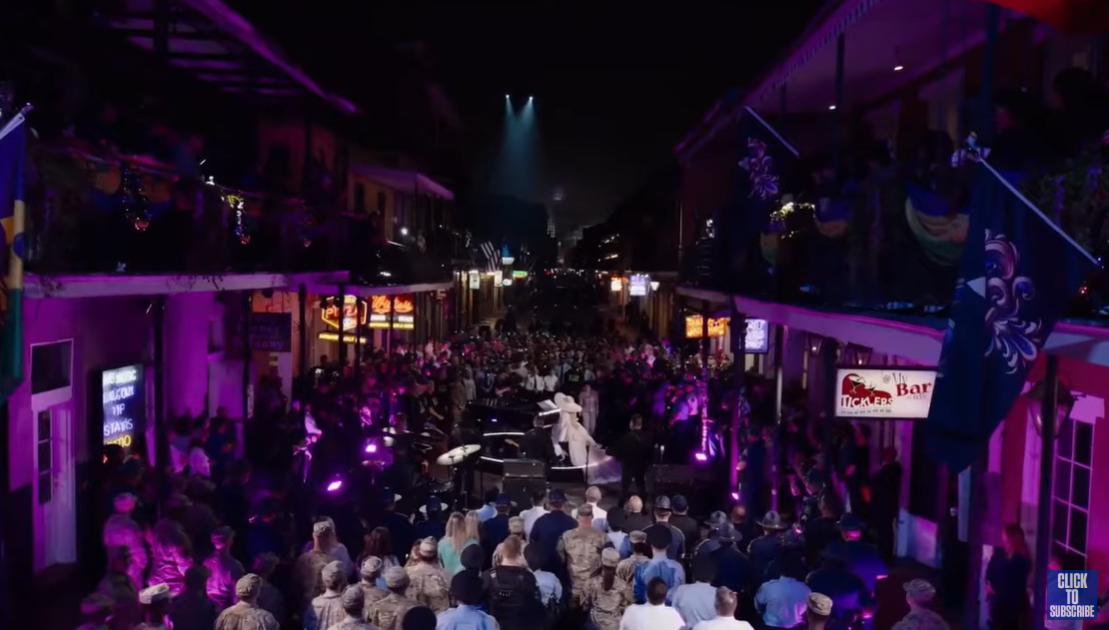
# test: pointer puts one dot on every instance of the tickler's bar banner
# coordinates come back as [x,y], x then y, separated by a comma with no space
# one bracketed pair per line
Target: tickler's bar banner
[400,307]
[122,400]
[353,313]
[891,393]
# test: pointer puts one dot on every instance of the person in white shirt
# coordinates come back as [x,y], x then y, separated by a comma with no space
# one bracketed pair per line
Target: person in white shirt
[655,614]
[534,382]
[725,614]
[600,517]
[550,382]
[531,515]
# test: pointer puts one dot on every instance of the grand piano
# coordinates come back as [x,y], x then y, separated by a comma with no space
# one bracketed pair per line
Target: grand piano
[503,421]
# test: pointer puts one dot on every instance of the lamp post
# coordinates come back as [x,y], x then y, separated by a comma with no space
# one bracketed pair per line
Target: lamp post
[1050,409]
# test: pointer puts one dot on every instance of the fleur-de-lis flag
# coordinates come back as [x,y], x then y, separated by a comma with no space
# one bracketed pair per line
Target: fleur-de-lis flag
[1017,272]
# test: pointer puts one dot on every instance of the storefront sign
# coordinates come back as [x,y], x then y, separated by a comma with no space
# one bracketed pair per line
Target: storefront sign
[122,400]
[616,285]
[506,282]
[718,326]
[354,313]
[757,339]
[400,307]
[475,280]
[637,285]
[330,336]
[884,393]
[271,332]
[519,274]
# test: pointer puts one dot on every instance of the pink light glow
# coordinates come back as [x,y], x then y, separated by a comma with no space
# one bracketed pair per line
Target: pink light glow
[371,448]
[735,496]
[701,457]
[334,486]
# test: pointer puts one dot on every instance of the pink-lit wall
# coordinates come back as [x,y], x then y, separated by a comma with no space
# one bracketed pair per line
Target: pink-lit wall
[106,332]
[1021,463]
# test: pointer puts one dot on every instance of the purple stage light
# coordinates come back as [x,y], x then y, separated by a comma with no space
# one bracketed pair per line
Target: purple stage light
[334,486]
[735,496]
[700,456]
[371,448]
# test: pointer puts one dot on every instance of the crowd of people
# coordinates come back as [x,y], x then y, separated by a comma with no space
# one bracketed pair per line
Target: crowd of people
[257,543]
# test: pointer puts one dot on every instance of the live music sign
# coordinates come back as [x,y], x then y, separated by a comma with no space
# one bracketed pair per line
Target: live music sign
[884,393]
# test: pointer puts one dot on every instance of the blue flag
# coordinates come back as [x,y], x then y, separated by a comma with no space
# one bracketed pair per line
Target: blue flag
[1017,273]
[13,148]
[764,161]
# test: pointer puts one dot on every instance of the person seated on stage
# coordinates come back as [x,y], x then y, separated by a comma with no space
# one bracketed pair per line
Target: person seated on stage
[536,443]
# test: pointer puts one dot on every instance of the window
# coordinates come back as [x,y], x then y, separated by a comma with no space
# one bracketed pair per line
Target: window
[50,366]
[45,457]
[1071,495]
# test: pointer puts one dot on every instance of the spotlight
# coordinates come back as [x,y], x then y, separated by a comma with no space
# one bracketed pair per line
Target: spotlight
[507,96]
[735,496]
[701,456]
[530,98]
[898,68]
[371,448]
[335,485]
[832,107]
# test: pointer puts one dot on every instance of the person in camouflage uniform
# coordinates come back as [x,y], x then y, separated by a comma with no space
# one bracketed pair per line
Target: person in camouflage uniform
[369,572]
[388,612]
[306,575]
[269,598]
[327,609]
[353,600]
[120,530]
[641,552]
[428,584]
[605,596]
[580,548]
[246,615]
[920,594]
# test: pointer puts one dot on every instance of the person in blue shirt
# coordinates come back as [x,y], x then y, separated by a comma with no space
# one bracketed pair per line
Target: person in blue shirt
[659,566]
[467,590]
[548,530]
[489,510]
[495,530]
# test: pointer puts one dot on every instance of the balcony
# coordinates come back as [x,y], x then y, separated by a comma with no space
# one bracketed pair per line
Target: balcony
[89,213]
[890,246]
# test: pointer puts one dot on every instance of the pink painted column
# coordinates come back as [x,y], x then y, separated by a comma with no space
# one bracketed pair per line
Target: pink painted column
[188,317]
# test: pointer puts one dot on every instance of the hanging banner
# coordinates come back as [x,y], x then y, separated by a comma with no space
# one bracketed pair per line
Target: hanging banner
[884,393]
[757,338]
[121,398]
[475,280]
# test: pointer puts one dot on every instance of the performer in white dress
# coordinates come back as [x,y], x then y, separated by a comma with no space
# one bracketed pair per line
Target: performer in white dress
[600,467]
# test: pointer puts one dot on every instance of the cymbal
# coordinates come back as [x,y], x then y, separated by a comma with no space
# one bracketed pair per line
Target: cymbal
[458,454]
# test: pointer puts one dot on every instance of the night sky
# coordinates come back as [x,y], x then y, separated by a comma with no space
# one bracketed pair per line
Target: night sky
[615,89]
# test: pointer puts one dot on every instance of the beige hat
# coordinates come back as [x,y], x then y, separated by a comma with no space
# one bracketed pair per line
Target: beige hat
[371,566]
[323,527]
[248,586]
[610,557]
[819,604]
[332,573]
[637,537]
[920,591]
[429,548]
[353,597]
[396,577]
[154,594]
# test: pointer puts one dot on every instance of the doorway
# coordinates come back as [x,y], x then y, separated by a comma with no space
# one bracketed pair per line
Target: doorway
[55,507]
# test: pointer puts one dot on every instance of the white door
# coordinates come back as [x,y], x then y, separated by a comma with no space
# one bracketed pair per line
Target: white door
[55,494]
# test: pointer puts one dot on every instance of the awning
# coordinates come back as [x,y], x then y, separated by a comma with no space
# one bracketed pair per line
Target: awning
[215,44]
[403,181]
